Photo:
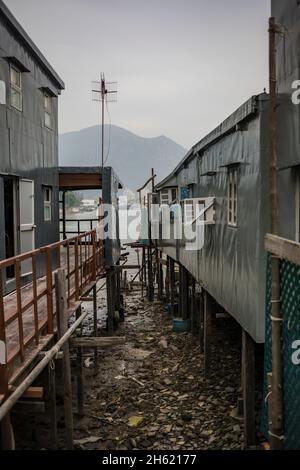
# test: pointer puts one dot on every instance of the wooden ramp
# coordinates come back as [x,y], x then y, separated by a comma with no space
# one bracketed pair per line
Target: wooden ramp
[28,315]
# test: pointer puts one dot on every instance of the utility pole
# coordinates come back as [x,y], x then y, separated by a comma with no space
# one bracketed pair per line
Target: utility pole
[276,408]
[103,96]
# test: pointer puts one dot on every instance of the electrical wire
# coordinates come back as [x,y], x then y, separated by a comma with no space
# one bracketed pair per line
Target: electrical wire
[109,132]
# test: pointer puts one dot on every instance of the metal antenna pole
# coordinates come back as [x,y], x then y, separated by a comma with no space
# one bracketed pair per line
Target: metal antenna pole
[106,92]
[103,93]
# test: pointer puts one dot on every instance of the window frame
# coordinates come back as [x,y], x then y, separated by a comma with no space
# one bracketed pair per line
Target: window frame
[48,112]
[17,88]
[47,203]
[232,197]
[188,211]
[165,196]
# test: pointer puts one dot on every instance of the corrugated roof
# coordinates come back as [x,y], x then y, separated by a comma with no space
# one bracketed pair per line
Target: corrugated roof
[245,110]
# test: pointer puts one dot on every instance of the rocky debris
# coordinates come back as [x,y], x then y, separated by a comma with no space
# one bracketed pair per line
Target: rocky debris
[161,387]
[150,392]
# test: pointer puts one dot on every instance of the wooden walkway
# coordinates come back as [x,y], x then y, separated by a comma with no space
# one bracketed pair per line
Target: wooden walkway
[28,315]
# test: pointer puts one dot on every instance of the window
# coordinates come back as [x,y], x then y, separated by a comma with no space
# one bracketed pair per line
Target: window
[174,194]
[164,196]
[168,196]
[48,110]
[47,204]
[232,197]
[16,97]
[189,212]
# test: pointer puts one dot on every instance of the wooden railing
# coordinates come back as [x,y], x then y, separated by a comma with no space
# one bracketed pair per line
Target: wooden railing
[27,315]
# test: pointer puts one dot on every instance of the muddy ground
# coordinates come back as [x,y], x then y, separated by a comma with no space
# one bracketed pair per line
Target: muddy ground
[150,392]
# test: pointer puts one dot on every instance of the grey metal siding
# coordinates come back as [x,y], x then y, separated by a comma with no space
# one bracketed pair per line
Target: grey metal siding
[232,264]
[110,200]
[28,149]
[287,16]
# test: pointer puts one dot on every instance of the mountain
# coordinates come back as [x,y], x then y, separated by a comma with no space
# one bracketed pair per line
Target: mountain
[131,156]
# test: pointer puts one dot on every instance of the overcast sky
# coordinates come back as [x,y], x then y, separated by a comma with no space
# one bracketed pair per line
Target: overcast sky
[182,66]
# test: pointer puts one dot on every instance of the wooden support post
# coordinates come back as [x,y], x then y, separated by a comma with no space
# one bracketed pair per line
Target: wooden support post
[142,271]
[118,290]
[145,268]
[62,321]
[185,307]
[7,436]
[172,281]
[80,374]
[276,410]
[64,214]
[167,281]
[52,405]
[49,281]
[160,276]
[201,321]
[110,300]
[150,275]
[207,329]
[180,301]
[99,342]
[248,380]
[95,319]
[194,310]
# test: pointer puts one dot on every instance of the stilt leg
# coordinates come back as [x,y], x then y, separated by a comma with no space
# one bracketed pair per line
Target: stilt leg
[248,371]
[80,375]
[207,334]
[52,405]
[62,319]
[95,320]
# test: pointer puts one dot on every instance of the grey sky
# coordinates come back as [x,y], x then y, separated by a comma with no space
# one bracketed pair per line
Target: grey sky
[182,65]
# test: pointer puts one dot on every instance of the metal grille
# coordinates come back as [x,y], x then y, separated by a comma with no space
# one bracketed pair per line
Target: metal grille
[290,307]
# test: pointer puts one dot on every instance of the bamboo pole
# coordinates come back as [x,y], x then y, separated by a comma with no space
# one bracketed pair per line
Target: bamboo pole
[52,353]
[276,404]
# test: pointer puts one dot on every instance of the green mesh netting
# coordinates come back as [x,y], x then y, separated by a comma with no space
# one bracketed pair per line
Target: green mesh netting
[290,307]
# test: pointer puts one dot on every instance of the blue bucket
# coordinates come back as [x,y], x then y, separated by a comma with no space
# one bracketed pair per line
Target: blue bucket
[169,308]
[180,325]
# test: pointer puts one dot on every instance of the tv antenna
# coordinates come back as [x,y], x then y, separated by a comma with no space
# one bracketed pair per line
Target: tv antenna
[104,92]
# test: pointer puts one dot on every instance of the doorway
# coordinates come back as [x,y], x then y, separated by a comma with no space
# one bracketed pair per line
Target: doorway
[10,222]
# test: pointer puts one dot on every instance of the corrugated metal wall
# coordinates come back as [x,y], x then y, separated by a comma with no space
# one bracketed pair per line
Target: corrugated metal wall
[232,263]
[28,149]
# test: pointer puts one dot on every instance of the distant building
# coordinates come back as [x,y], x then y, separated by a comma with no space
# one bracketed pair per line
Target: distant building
[29,90]
[88,205]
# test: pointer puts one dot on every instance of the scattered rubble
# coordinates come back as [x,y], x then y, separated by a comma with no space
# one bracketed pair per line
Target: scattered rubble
[150,392]
[161,391]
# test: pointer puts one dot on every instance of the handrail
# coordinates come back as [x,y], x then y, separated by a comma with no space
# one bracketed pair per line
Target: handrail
[283,248]
[29,312]
[38,251]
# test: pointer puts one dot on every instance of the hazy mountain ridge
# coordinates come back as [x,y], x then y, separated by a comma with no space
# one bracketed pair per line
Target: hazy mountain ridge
[130,155]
